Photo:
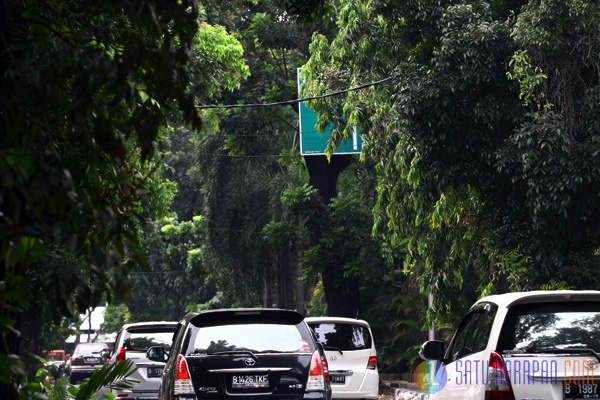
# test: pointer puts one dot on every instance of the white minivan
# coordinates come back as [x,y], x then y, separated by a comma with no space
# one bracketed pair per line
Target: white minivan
[351,355]
[538,345]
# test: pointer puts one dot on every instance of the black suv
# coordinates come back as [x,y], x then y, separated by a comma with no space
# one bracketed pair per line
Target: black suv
[262,353]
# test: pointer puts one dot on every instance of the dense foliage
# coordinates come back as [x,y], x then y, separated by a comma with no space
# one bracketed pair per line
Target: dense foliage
[86,92]
[484,141]
[122,180]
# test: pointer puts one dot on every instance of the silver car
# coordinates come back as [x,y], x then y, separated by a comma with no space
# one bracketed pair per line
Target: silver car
[132,343]
[86,358]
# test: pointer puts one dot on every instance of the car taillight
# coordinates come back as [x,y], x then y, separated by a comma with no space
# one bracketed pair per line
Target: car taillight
[183,382]
[498,385]
[325,368]
[120,355]
[372,364]
[318,370]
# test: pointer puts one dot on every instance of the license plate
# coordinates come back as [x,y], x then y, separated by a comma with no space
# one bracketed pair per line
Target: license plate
[91,360]
[249,381]
[155,372]
[337,378]
[581,391]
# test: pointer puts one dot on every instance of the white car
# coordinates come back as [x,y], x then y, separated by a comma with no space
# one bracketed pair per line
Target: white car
[132,343]
[351,354]
[540,345]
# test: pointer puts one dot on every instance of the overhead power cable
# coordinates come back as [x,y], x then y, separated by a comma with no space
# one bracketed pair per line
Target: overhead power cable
[288,102]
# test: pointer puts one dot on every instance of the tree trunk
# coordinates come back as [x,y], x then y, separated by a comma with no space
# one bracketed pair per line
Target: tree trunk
[268,291]
[289,278]
[11,346]
[10,342]
[341,293]
[300,298]
[324,174]
[282,272]
[25,343]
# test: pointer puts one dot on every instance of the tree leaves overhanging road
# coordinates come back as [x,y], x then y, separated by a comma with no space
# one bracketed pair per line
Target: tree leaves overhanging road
[482,149]
[486,144]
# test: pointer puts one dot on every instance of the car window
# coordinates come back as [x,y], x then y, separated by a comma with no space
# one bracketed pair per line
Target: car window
[90,348]
[252,337]
[343,336]
[551,326]
[460,337]
[142,341]
[482,327]
[473,333]
[113,347]
[55,357]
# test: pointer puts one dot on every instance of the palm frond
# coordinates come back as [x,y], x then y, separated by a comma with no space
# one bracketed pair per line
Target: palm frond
[111,376]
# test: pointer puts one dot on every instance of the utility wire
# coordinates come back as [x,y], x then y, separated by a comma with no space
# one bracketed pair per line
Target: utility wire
[284,103]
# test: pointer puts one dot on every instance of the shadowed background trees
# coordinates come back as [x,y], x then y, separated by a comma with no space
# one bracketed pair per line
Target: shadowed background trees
[478,173]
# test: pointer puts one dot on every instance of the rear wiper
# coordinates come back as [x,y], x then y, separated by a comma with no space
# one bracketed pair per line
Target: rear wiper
[272,351]
[565,350]
[333,348]
[235,352]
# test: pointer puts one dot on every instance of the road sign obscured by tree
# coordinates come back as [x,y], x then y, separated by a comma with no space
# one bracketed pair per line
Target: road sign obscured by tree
[313,142]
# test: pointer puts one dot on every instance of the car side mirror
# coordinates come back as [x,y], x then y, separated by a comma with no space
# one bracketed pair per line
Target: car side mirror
[104,353]
[156,353]
[432,350]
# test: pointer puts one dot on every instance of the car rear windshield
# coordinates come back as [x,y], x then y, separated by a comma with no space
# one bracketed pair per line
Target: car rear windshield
[253,337]
[55,357]
[530,328]
[342,335]
[142,341]
[90,348]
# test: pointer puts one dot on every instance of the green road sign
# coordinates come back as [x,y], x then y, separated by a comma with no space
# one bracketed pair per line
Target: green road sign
[312,142]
